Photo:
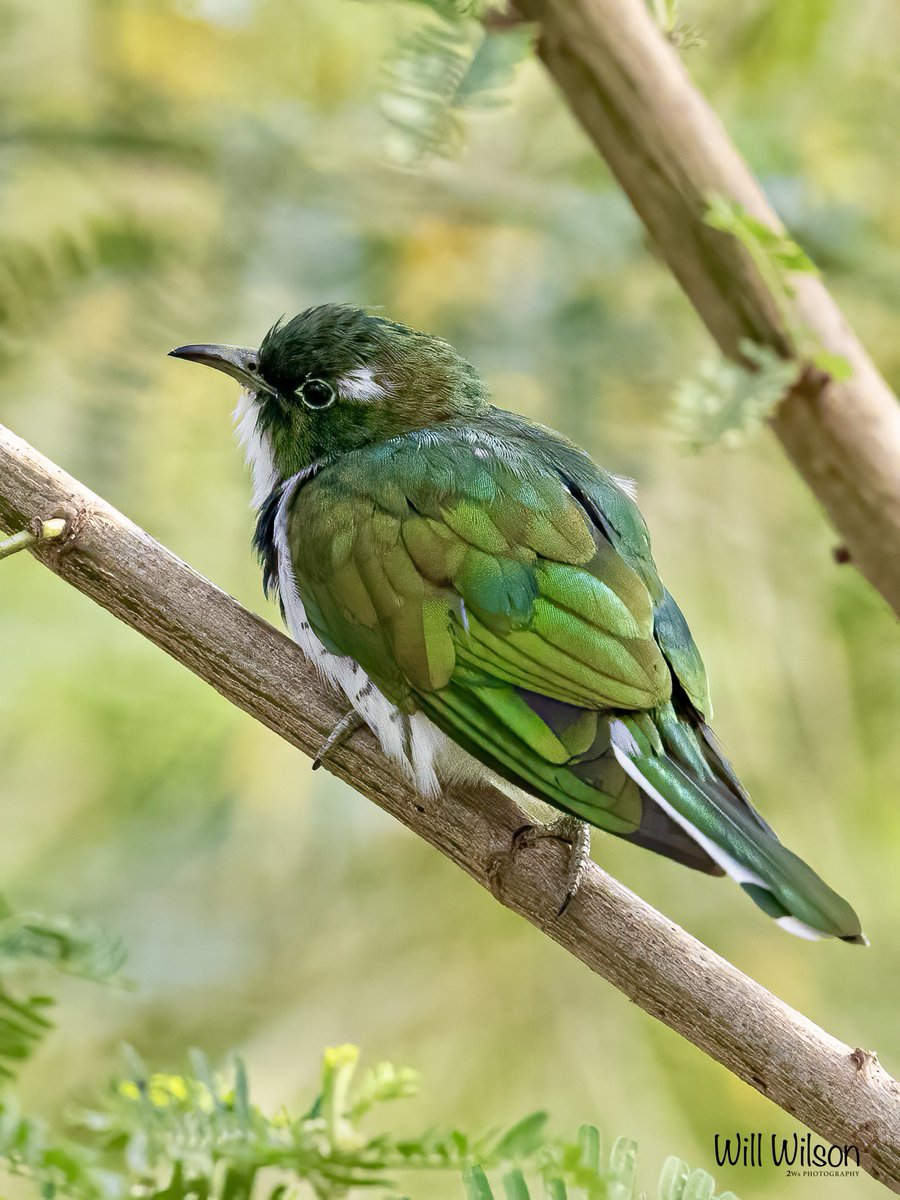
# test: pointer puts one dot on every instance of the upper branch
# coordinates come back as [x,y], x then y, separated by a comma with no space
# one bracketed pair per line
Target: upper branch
[668,150]
[843,1094]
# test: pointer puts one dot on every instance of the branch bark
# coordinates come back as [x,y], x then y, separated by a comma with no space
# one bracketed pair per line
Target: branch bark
[839,1092]
[628,88]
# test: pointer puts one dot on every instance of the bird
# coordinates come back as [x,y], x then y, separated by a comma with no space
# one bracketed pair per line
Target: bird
[484,595]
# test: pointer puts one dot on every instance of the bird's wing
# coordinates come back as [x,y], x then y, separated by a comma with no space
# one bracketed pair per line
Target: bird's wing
[432,557]
[472,581]
[503,585]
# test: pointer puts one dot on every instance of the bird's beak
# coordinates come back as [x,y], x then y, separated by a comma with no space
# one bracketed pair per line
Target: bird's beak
[240,362]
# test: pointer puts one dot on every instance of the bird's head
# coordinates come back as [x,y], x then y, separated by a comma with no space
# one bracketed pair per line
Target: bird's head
[335,378]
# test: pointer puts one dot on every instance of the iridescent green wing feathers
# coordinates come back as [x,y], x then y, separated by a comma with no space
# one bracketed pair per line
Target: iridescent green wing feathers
[494,578]
[469,579]
[457,551]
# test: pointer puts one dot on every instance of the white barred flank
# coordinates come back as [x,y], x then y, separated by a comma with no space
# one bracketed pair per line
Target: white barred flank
[409,739]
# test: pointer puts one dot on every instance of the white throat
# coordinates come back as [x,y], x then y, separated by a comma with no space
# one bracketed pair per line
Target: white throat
[257,447]
[411,741]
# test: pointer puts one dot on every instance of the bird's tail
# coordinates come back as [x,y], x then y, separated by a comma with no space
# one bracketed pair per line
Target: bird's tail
[680,767]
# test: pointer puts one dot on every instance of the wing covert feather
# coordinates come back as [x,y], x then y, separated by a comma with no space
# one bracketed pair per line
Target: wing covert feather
[505,575]
[511,597]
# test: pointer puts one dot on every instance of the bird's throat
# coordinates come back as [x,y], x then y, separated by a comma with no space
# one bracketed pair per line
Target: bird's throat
[257,448]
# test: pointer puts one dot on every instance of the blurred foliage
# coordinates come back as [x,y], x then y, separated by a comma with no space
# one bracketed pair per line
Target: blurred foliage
[724,400]
[239,149]
[27,940]
[452,62]
[38,278]
[199,1134]
[667,14]
[777,257]
[455,62]
[776,254]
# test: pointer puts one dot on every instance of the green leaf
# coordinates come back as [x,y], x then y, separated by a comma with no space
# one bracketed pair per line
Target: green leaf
[74,947]
[424,74]
[672,1179]
[589,1145]
[476,1184]
[514,1185]
[199,1136]
[778,247]
[523,1138]
[725,401]
[700,1186]
[835,365]
[778,257]
[622,1165]
[382,1083]
[241,1094]
[23,1024]
[29,941]
[450,9]
[681,35]
[449,65]
[39,278]
[493,66]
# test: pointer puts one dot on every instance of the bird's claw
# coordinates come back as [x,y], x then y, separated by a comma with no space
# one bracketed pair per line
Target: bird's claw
[576,834]
[342,732]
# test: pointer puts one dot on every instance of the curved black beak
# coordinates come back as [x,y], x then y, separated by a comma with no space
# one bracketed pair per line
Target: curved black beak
[240,362]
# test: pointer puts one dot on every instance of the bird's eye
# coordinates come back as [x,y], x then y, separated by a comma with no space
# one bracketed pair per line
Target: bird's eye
[316,393]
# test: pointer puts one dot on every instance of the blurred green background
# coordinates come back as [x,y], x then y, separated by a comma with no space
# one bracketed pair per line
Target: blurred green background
[187,170]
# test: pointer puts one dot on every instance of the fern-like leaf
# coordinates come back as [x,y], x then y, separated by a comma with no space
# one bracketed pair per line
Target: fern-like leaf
[31,941]
[450,65]
[725,401]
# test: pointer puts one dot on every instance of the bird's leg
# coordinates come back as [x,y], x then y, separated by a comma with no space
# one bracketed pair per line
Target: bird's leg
[576,834]
[342,732]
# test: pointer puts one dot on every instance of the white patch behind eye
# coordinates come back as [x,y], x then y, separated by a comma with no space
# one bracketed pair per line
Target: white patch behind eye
[359,384]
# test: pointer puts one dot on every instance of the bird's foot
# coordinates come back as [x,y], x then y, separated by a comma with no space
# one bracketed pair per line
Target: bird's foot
[342,732]
[576,834]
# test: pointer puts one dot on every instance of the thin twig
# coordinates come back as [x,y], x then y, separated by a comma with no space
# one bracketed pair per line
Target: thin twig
[840,1092]
[629,89]
[45,531]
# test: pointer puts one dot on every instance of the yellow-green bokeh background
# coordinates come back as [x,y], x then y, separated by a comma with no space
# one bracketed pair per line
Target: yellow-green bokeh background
[187,171]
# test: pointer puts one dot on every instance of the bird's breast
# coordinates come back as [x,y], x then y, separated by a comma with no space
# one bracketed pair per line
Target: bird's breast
[410,740]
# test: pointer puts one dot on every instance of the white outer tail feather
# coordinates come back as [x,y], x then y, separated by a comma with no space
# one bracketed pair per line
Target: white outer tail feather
[624,745]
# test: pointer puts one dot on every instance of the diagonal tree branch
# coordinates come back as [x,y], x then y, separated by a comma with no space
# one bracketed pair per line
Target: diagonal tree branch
[841,1093]
[628,88]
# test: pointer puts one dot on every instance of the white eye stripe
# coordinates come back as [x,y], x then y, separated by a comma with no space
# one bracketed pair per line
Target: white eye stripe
[359,384]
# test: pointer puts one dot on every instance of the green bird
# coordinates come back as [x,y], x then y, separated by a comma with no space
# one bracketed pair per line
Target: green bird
[485,597]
